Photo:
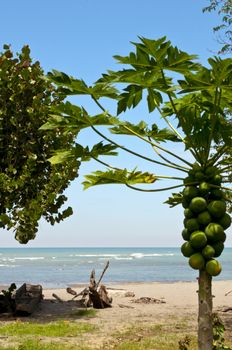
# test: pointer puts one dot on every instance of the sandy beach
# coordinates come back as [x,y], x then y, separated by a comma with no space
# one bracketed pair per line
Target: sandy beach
[172,306]
[175,303]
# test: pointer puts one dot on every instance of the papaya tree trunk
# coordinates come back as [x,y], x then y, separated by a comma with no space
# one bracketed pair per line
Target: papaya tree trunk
[205,304]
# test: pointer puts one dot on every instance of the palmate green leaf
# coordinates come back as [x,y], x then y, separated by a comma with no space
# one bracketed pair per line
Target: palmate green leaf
[218,76]
[73,118]
[154,99]
[130,98]
[119,176]
[197,115]
[159,54]
[61,157]
[142,129]
[174,200]
[69,86]
[99,149]
[83,153]
[163,135]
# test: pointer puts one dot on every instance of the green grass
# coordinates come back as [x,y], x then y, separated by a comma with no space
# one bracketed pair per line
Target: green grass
[53,329]
[152,337]
[38,345]
[84,313]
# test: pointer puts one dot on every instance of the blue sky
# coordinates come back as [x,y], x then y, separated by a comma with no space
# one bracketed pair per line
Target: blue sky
[80,37]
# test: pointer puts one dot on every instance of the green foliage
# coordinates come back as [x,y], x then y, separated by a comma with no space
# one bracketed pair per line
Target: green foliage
[199,98]
[141,129]
[30,187]
[118,176]
[224,10]
[8,299]
[218,334]
[184,344]
[175,199]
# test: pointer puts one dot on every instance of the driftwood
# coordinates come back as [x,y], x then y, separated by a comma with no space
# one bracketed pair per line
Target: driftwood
[227,309]
[228,292]
[148,300]
[84,293]
[99,297]
[57,298]
[27,298]
[125,306]
[94,295]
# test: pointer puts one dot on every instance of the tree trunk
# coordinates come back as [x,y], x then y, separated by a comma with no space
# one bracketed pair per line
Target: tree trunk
[205,325]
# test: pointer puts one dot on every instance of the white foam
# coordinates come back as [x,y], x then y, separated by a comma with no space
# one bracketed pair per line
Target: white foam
[137,255]
[141,255]
[30,258]
[96,255]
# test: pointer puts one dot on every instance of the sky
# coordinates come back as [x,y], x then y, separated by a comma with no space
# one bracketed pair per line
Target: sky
[80,37]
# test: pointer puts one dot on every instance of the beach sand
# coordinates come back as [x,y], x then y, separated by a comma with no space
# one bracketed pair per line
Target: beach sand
[177,303]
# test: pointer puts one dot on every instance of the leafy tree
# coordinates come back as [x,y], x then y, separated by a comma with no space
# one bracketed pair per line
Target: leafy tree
[224,34]
[224,10]
[30,188]
[193,101]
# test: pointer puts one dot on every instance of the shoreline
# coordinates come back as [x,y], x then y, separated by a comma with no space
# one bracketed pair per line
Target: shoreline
[114,284]
[177,294]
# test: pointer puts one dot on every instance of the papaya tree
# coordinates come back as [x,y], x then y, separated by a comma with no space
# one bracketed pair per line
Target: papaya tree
[30,187]
[193,102]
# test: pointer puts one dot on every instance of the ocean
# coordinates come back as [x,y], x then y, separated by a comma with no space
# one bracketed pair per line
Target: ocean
[63,267]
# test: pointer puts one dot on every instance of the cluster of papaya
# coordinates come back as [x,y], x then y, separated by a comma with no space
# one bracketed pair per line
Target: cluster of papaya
[205,219]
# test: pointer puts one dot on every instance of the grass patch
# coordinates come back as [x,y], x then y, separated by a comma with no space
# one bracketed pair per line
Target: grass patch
[38,345]
[152,337]
[53,329]
[84,313]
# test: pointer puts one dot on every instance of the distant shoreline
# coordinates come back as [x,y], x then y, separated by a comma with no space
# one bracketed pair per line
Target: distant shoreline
[68,267]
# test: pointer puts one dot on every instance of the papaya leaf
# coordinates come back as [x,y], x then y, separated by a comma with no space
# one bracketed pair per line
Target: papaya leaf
[104,90]
[73,118]
[118,176]
[159,54]
[130,98]
[174,200]
[164,135]
[154,99]
[61,157]
[123,129]
[219,75]
[99,150]
[142,129]
[69,86]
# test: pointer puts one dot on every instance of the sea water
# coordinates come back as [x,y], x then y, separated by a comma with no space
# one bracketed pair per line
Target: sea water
[62,267]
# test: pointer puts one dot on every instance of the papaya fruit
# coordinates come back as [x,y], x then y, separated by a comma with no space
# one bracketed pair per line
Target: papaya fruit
[217,208]
[198,204]
[198,239]
[213,267]
[197,261]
